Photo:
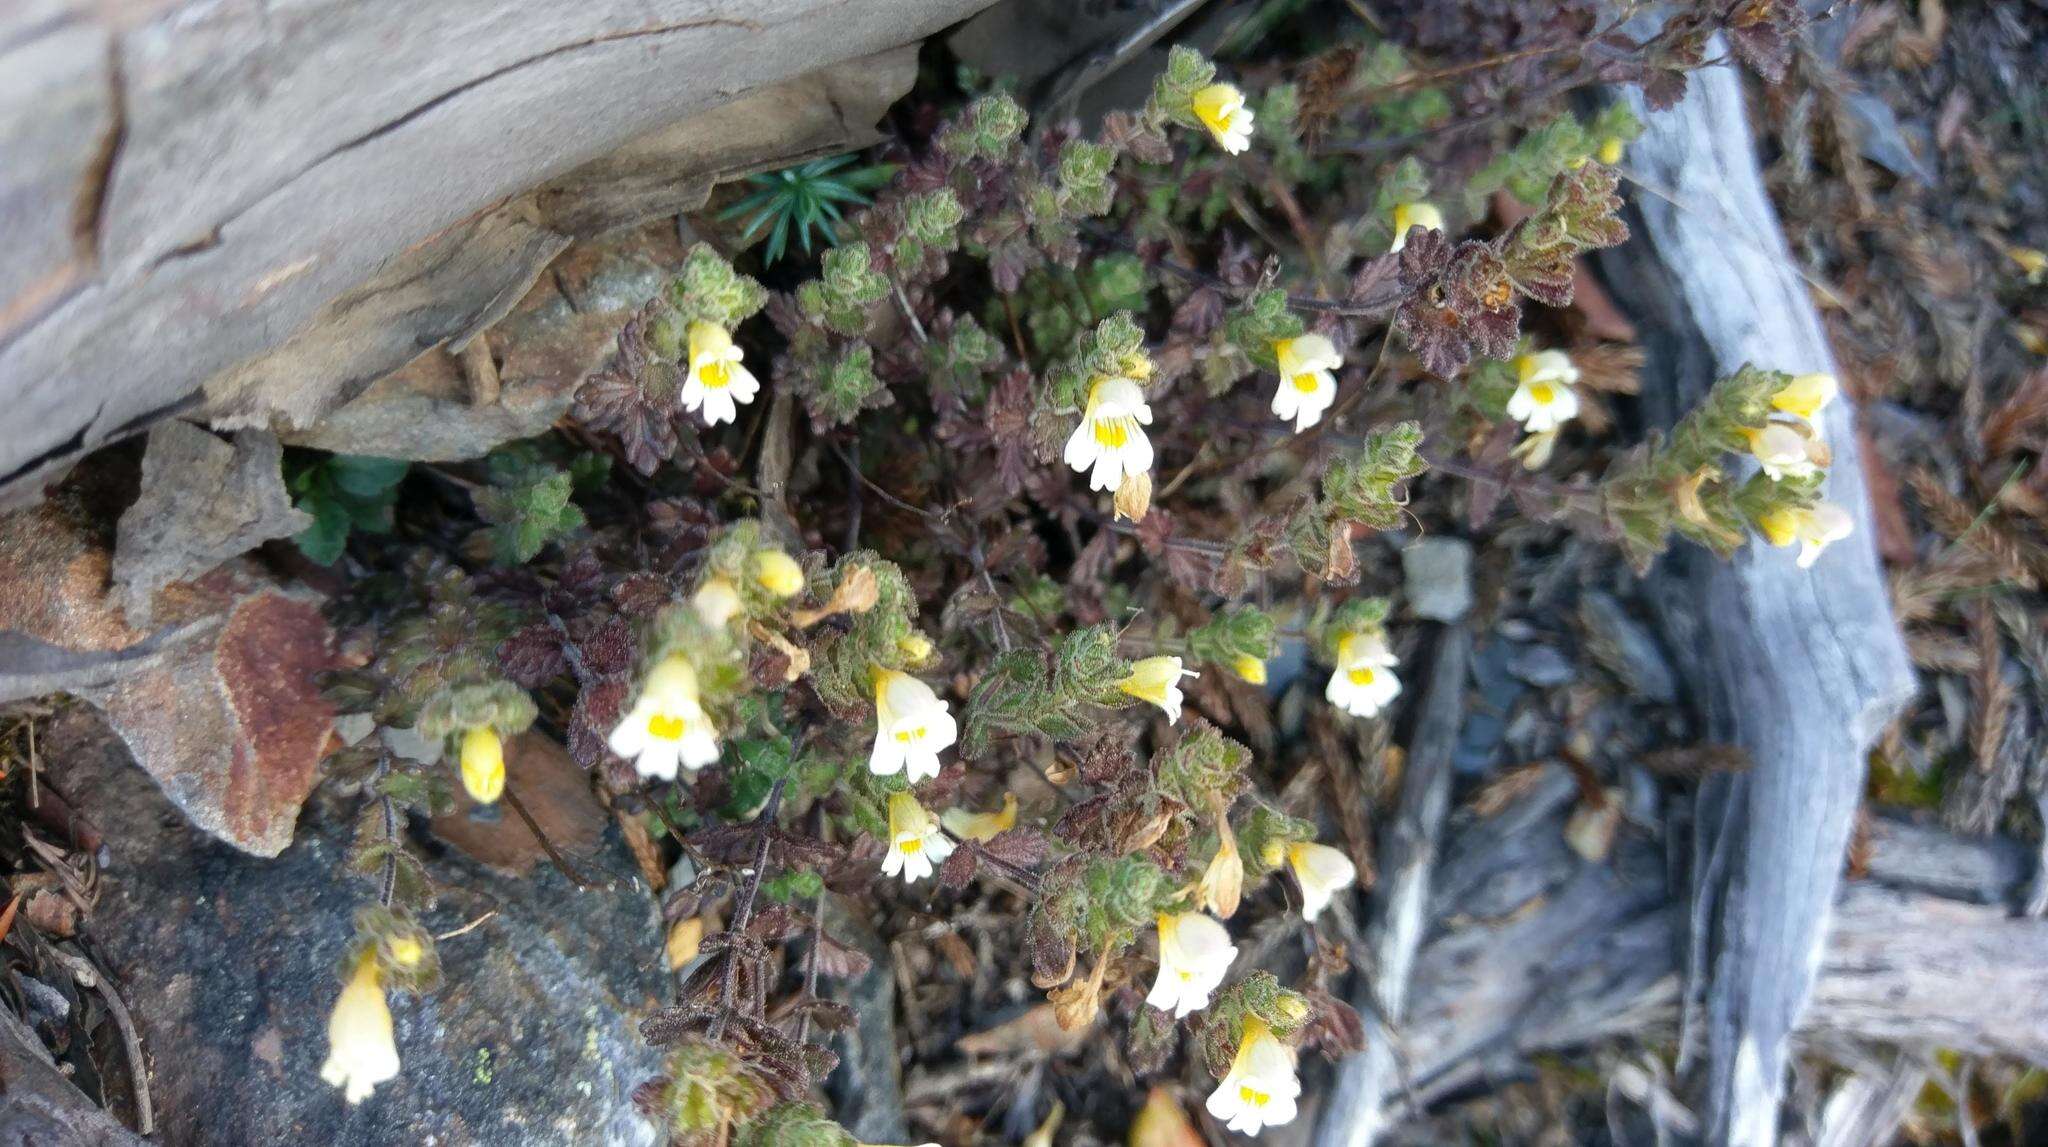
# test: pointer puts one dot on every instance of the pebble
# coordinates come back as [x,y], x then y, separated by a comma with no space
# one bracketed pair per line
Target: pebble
[1438,577]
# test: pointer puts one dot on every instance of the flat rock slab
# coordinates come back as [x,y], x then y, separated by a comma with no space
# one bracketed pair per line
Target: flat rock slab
[220,704]
[227,962]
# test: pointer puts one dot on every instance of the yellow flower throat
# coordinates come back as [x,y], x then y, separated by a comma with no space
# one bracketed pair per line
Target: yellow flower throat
[1113,432]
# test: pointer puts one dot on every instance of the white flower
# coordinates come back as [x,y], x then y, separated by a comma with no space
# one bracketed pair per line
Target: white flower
[1785,452]
[1221,109]
[483,764]
[1195,954]
[361,1052]
[1307,388]
[717,382]
[1406,215]
[1111,438]
[916,845]
[667,726]
[717,601]
[1814,529]
[912,727]
[1806,396]
[1544,398]
[1261,1088]
[1364,681]
[1157,679]
[1322,871]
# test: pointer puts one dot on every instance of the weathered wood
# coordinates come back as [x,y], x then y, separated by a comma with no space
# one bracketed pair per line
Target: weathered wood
[1868,1107]
[1800,667]
[1531,949]
[1407,854]
[249,212]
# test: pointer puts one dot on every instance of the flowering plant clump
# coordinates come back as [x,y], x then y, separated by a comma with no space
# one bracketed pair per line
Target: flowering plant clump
[1032,484]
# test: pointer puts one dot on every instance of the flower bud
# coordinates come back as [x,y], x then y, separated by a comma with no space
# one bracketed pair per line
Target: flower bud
[916,647]
[483,764]
[778,573]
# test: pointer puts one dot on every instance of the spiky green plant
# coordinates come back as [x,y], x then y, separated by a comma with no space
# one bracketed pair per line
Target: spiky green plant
[802,200]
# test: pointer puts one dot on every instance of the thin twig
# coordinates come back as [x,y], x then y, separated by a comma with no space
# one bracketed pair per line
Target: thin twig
[743,915]
[803,1022]
[466,929]
[555,857]
[903,301]
[852,459]
[389,888]
[1066,92]
[89,975]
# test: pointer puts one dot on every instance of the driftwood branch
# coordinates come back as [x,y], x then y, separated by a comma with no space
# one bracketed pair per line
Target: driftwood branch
[1800,667]
[1532,949]
[247,214]
[1407,854]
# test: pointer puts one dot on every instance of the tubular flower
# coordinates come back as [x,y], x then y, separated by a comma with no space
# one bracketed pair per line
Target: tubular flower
[912,727]
[777,572]
[1535,450]
[1249,669]
[1221,109]
[1222,883]
[1814,529]
[981,825]
[1307,388]
[916,845]
[1323,872]
[1261,1088]
[1157,679]
[1806,396]
[1785,452]
[915,646]
[361,1052]
[483,764]
[1195,953]
[717,601]
[1364,681]
[1406,215]
[667,725]
[1544,398]
[1111,439]
[717,383]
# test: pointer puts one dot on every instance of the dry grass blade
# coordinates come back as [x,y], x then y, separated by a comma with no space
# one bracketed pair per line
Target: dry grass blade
[1941,652]
[1991,697]
[2018,419]
[1610,368]
[2021,559]
[1498,796]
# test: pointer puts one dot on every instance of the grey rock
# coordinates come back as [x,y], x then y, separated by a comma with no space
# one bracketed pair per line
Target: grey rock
[866,1088]
[1543,666]
[1628,648]
[1437,573]
[227,962]
[1883,140]
[1484,733]
[203,501]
